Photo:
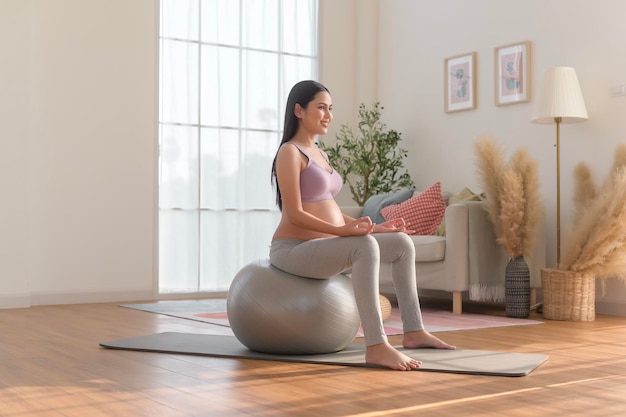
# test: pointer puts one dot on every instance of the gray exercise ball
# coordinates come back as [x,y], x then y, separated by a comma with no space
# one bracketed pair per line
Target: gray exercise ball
[272,311]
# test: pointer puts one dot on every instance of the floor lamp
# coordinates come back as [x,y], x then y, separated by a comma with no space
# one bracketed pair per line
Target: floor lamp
[560,101]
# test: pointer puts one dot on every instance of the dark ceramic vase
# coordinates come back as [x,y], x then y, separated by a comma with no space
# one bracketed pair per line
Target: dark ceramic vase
[517,288]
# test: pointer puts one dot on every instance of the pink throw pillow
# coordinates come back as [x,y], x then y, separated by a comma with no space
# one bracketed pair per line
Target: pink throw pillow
[422,213]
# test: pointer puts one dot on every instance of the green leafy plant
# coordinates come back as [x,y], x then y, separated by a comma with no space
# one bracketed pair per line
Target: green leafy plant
[370,162]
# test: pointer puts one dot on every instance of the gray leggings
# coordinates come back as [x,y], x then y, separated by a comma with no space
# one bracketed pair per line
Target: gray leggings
[327,257]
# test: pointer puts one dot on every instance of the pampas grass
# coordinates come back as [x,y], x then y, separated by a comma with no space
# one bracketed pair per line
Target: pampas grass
[513,201]
[490,165]
[597,241]
[619,159]
[584,189]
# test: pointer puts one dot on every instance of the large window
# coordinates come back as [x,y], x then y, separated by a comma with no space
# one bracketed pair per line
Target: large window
[226,67]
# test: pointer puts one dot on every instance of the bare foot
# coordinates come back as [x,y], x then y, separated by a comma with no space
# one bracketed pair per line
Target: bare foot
[423,339]
[384,354]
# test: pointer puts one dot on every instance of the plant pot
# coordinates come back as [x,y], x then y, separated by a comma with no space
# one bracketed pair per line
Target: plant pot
[517,288]
[568,295]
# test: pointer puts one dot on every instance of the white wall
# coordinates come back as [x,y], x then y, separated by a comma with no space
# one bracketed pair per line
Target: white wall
[14,152]
[78,97]
[348,58]
[413,39]
[78,109]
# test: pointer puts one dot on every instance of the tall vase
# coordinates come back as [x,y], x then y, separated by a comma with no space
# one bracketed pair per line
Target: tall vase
[517,288]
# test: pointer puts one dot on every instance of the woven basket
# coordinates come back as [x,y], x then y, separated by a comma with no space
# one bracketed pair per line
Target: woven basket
[568,295]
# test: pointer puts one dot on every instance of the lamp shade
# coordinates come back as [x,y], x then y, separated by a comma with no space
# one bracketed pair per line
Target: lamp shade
[560,97]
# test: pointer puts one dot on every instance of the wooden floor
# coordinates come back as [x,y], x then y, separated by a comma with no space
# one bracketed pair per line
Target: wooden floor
[51,365]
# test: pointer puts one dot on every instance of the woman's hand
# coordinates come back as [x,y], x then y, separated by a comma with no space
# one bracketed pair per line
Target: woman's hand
[396,225]
[357,227]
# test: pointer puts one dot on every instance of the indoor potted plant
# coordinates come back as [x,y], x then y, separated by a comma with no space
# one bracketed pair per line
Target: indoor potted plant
[514,207]
[595,247]
[369,161]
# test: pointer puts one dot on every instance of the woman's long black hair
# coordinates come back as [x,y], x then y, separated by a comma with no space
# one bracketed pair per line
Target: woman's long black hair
[302,93]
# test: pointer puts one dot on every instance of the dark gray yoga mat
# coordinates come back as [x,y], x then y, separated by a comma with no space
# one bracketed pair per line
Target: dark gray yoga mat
[455,361]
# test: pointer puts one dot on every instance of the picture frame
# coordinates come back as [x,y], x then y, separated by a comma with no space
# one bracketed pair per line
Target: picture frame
[512,73]
[460,82]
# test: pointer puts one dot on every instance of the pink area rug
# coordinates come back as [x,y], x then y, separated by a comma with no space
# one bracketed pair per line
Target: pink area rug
[214,312]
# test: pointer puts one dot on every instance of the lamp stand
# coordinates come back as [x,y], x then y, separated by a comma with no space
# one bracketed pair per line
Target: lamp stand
[558,121]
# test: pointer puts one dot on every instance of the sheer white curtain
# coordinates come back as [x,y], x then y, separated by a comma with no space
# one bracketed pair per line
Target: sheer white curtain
[226,67]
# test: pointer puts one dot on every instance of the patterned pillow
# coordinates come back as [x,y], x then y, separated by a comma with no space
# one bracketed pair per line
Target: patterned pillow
[422,213]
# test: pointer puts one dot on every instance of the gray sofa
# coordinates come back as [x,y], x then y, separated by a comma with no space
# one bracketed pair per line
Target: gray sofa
[467,262]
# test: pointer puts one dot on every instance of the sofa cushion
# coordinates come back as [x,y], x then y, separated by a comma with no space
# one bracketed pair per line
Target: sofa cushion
[423,213]
[377,202]
[429,248]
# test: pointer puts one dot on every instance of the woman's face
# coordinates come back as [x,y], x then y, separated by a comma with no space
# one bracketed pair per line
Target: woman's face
[317,116]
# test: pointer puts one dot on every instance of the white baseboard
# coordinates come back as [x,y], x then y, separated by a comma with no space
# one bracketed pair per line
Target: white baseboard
[15,300]
[24,300]
[610,308]
[48,298]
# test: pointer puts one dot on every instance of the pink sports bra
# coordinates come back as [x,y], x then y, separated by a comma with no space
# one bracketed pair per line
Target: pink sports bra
[316,183]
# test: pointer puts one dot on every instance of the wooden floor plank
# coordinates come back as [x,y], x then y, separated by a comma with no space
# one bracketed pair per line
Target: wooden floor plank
[51,365]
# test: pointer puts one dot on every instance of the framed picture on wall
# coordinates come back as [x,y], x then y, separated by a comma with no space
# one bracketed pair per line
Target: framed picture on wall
[512,73]
[460,82]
